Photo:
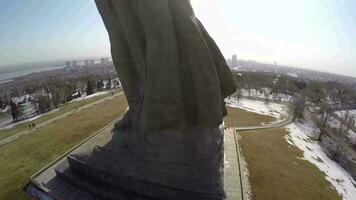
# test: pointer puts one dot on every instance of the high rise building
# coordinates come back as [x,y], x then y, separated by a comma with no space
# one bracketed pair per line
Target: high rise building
[91,62]
[104,60]
[74,63]
[228,61]
[86,63]
[68,64]
[234,61]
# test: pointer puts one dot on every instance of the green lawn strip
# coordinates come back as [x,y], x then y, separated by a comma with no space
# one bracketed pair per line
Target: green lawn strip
[278,173]
[240,117]
[23,157]
[63,109]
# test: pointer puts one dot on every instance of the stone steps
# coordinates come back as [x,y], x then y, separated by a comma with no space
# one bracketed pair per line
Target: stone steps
[81,171]
[102,190]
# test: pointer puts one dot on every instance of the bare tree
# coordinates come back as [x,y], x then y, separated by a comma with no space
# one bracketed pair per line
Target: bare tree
[267,96]
[324,112]
[298,106]
[344,119]
[238,93]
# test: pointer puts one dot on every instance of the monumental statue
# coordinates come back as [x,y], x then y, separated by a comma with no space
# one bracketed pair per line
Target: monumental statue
[168,145]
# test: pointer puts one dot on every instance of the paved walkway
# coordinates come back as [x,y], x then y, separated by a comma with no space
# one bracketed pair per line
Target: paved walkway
[236,183]
[232,172]
[54,119]
[281,123]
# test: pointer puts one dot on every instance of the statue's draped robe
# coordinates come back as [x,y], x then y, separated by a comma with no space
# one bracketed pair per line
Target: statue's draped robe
[163,54]
[169,144]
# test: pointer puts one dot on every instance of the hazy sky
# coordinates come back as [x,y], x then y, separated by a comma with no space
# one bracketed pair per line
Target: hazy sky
[314,34]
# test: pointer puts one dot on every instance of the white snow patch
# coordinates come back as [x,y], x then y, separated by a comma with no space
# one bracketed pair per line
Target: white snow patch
[7,109]
[352,136]
[312,151]
[293,74]
[276,110]
[333,122]
[10,124]
[261,94]
[342,113]
[91,96]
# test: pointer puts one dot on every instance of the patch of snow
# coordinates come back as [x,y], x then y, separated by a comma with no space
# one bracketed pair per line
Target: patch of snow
[7,109]
[293,74]
[84,96]
[352,136]
[276,110]
[21,98]
[342,113]
[6,81]
[260,94]
[10,124]
[333,122]
[299,136]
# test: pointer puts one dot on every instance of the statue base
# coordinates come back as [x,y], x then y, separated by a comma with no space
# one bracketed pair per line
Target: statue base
[171,166]
[121,170]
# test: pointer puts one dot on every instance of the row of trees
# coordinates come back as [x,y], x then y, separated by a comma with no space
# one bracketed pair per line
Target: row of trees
[53,93]
[326,97]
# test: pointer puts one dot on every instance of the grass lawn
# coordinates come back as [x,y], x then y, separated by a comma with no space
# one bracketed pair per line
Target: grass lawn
[23,157]
[242,117]
[277,173]
[63,109]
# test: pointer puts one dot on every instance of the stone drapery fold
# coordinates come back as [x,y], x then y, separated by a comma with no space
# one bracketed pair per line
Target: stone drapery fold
[161,51]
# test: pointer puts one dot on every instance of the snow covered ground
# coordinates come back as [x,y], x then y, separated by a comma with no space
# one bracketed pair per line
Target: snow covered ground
[335,123]
[260,94]
[7,109]
[342,113]
[299,136]
[276,110]
[9,124]
[91,96]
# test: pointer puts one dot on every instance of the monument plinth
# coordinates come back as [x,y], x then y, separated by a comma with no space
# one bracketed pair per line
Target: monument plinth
[168,146]
[114,171]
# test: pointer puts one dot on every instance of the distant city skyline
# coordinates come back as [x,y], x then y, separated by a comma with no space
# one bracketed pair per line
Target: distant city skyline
[312,34]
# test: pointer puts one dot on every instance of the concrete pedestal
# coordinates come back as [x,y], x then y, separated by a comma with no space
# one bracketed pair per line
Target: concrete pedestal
[106,167]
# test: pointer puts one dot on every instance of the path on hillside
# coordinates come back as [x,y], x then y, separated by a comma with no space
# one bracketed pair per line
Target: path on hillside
[287,119]
[54,119]
[236,181]
[282,123]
